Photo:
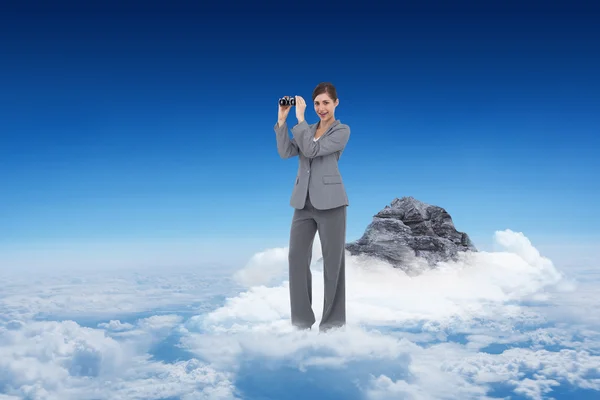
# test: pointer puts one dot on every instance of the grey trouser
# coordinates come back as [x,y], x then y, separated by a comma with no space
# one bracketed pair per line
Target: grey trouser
[331,225]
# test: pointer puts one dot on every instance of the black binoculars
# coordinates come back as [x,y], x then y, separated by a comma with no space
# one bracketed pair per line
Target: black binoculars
[289,101]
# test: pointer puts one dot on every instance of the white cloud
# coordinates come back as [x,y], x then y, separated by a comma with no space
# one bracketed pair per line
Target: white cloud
[439,386]
[263,268]
[491,298]
[115,326]
[62,360]
[43,356]
[377,294]
[507,316]
[545,366]
[106,294]
[271,266]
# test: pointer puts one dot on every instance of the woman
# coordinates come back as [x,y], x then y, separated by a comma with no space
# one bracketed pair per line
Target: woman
[319,199]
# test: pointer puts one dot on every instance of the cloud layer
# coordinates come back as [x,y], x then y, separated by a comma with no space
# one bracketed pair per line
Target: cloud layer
[492,324]
[453,332]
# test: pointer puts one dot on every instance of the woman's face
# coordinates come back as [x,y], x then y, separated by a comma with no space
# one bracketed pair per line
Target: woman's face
[325,106]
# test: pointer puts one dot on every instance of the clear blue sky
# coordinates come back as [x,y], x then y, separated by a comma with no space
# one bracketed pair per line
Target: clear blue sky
[123,122]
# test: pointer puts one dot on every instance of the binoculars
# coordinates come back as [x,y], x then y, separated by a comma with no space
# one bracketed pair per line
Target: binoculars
[290,101]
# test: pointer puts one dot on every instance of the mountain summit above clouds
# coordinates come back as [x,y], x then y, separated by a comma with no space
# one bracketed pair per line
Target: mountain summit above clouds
[409,231]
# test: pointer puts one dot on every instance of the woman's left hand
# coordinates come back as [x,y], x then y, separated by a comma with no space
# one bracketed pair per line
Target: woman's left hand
[300,108]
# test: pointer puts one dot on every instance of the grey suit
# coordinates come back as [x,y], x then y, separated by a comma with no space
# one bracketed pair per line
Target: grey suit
[317,161]
[320,200]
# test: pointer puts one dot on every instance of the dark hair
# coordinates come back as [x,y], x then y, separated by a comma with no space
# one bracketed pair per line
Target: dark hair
[325,87]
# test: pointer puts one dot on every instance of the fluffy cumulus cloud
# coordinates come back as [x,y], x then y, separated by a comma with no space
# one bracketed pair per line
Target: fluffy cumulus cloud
[63,360]
[467,329]
[490,325]
[98,335]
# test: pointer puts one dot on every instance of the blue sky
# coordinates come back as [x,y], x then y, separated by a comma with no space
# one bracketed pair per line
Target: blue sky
[122,123]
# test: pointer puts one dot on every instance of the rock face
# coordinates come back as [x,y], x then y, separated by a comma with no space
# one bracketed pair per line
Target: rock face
[409,231]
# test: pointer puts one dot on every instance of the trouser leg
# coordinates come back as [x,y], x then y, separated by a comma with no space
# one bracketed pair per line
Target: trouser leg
[331,225]
[302,235]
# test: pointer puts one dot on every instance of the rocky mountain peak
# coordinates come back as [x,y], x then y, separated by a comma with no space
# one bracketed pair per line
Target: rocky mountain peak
[409,229]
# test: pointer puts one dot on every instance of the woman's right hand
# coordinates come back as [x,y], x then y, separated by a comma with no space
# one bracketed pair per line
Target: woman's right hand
[283,113]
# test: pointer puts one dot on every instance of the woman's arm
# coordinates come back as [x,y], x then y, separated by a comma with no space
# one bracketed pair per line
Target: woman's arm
[331,143]
[286,147]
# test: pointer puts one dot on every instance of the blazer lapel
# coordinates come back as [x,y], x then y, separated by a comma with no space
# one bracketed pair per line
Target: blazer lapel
[328,131]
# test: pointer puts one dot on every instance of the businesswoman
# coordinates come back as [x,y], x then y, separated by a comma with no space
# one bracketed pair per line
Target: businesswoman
[319,200]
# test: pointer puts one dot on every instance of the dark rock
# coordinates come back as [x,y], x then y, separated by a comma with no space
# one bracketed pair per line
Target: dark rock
[408,232]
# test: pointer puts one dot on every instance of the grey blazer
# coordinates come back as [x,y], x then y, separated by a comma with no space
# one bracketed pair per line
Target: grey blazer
[318,171]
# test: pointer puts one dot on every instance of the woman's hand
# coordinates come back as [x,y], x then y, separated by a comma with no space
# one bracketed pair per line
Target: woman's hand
[283,113]
[300,108]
